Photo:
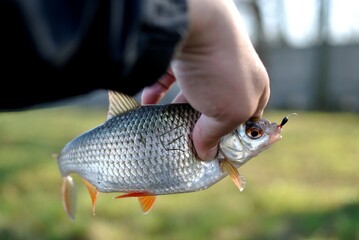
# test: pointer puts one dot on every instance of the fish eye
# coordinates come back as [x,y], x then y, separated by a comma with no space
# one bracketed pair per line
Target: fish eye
[254,132]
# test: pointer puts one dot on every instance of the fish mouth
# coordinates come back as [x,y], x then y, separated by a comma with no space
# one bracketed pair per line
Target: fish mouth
[276,136]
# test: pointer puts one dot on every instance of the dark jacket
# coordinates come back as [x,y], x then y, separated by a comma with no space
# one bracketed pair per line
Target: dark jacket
[54,49]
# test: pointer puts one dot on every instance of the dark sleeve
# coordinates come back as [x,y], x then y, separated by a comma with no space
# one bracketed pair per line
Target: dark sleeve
[56,49]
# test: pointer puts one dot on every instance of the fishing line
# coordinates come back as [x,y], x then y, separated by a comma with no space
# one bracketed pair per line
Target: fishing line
[285,119]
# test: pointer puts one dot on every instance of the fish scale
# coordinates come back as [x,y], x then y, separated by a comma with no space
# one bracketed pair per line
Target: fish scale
[144,151]
[148,149]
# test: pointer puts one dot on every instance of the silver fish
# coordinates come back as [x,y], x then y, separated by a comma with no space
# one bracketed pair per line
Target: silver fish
[145,151]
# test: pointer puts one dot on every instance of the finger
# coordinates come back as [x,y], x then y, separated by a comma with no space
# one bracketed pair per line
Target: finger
[206,136]
[154,93]
[180,98]
[261,105]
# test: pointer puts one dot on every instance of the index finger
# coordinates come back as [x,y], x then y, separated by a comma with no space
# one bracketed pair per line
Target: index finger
[154,93]
[263,101]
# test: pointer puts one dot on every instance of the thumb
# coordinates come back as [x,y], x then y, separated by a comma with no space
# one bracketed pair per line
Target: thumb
[206,137]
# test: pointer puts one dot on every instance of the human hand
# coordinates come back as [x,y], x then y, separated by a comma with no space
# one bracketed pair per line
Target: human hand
[219,74]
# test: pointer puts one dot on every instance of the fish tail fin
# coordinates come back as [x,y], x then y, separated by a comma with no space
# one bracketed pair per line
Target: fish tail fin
[68,194]
[55,156]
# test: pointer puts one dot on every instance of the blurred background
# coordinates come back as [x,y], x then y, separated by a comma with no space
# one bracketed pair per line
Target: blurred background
[304,187]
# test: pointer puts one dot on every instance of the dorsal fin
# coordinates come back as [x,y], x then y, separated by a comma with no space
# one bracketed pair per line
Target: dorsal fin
[120,103]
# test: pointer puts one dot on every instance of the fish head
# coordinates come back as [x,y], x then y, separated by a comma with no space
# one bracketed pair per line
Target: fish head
[249,139]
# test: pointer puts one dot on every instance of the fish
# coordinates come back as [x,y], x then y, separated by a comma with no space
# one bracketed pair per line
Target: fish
[144,151]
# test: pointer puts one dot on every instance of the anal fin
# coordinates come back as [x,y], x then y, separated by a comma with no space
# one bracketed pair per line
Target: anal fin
[146,199]
[68,195]
[233,173]
[93,194]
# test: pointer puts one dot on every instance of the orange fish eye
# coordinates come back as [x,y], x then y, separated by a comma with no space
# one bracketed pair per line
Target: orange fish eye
[254,132]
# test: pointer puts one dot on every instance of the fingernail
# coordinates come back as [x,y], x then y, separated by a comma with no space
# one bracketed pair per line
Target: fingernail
[254,119]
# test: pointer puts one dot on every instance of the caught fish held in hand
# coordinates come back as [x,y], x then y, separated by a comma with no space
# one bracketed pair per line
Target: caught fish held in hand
[146,151]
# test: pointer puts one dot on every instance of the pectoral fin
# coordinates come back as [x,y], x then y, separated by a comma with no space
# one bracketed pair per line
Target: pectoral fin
[68,194]
[93,194]
[146,199]
[233,173]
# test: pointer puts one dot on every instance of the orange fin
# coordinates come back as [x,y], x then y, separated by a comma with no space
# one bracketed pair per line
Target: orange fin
[147,203]
[146,199]
[68,194]
[93,194]
[233,173]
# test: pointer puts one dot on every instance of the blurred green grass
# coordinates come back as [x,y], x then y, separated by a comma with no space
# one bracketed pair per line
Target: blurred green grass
[304,187]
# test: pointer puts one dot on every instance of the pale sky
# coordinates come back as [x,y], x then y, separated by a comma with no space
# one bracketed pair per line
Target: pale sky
[302,16]
[298,19]
[345,19]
